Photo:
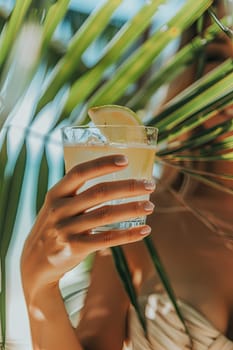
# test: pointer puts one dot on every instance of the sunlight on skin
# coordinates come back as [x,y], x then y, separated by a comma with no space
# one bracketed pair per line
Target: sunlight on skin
[152,307]
[59,258]
[39,348]
[36,313]
[105,252]
[229,111]
[166,308]
[137,278]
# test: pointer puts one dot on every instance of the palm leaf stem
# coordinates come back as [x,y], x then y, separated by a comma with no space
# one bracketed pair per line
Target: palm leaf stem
[228,31]
[165,281]
[42,185]
[201,59]
[124,272]
[172,68]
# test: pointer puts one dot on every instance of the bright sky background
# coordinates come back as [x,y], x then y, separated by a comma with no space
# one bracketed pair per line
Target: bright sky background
[126,10]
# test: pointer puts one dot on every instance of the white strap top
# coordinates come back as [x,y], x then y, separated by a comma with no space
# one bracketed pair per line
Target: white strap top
[166,332]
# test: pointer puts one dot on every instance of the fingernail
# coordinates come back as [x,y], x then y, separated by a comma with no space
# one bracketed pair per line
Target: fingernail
[121,160]
[149,184]
[148,206]
[145,230]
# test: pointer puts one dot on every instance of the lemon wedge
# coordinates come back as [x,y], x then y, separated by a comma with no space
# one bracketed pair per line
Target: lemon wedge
[113,115]
[118,123]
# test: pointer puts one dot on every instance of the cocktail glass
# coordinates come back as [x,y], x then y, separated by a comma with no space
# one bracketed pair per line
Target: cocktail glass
[137,143]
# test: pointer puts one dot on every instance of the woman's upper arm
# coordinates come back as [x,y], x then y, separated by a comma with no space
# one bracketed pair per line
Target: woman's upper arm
[103,318]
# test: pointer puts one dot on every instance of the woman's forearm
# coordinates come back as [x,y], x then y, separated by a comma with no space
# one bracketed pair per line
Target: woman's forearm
[50,325]
[61,238]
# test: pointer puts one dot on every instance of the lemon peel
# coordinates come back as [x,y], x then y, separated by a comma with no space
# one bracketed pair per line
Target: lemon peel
[127,126]
[113,115]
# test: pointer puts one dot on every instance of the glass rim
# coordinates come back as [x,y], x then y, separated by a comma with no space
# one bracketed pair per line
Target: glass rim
[110,134]
[73,127]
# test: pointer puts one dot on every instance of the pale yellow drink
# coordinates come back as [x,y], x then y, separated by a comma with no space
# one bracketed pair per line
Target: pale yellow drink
[140,157]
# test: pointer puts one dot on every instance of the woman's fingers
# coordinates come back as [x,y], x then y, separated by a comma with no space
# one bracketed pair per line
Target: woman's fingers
[102,192]
[104,215]
[83,172]
[59,240]
[93,242]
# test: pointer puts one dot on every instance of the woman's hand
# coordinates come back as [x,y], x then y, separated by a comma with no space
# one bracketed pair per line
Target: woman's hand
[61,236]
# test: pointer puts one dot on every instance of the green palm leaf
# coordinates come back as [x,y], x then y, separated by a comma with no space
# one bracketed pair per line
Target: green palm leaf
[124,273]
[171,69]
[194,90]
[12,27]
[64,70]
[42,186]
[210,95]
[54,16]
[82,88]
[12,196]
[204,137]
[132,68]
[164,279]
[186,112]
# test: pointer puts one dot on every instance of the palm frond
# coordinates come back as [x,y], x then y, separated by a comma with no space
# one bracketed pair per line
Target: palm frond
[204,98]
[172,68]
[204,83]
[12,27]
[91,28]
[84,86]
[139,62]
[204,137]
[54,16]
[112,79]
[12,193]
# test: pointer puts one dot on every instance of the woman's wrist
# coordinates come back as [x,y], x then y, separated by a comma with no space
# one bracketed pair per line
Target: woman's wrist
[42,295]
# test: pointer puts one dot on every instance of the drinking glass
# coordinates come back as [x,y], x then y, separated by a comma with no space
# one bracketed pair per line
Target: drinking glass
[137,143]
